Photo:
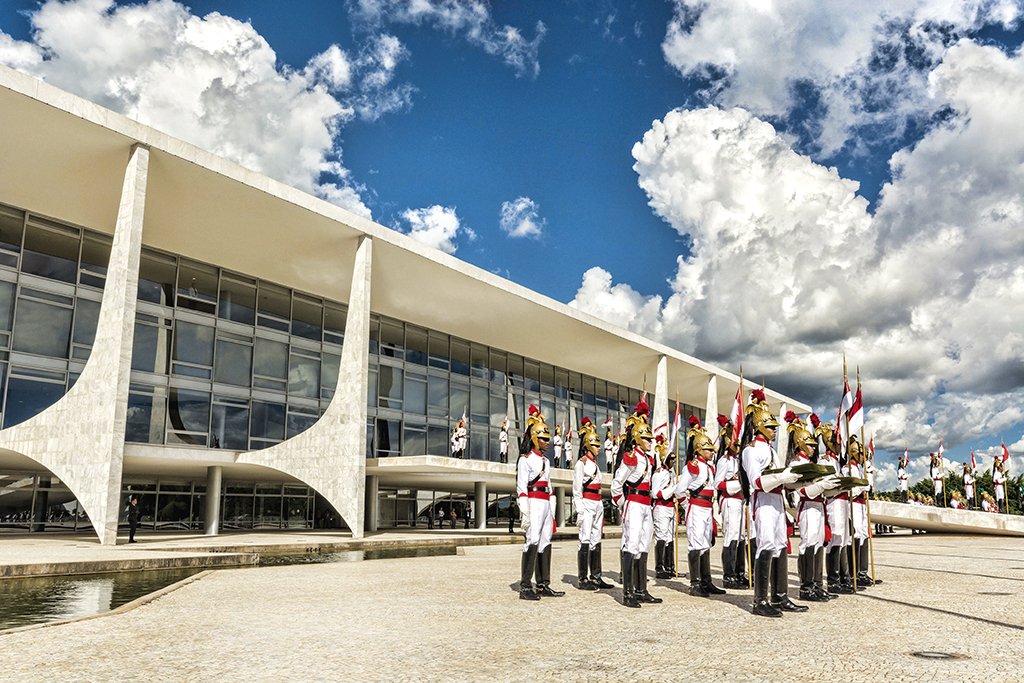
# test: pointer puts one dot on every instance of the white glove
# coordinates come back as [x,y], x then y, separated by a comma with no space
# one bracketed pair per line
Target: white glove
[830,482]
[858,491]
[732,487]
[770,482]
[524,513]
[814,490]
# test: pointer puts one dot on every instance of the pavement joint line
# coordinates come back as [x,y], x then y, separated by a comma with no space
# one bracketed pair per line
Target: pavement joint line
[126,607]
[993,622]
[951,571]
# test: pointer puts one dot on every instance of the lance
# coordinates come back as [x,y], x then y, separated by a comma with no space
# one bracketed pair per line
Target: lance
[849,469]
[675,503]
[867,501]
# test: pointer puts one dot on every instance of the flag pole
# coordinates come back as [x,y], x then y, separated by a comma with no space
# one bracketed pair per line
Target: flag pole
[942,468]
[675,503]
[849,468]
[867,500]
[746,500]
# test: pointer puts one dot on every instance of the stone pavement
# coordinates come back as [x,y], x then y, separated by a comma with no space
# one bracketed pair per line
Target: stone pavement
[459,618]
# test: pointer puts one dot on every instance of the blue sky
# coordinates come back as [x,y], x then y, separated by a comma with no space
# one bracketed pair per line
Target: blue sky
[753,141]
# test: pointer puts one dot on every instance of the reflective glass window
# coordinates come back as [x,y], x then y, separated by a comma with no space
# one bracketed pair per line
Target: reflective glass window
[437,396]
[27,398]
[389,385]
[197,286]
[157,275]
[498,364]
[145,417]
[388,439]
[150,348]
[414,439]
[437,440]
[371,388]
[438,346]
[479,403]
[460,356]
[237,300]
[188,411]
[459,400]
[329,374]
[307,318]
[51,251]
[392,339]
[233,363]
[95,257]
[415,345]
[11,225]
[304,376]
[300,419]
[415,399]
[274,307]
[193,343]
[334,323]
[42,328]
[267,420]
[6,305]
[230,427]
[270,359]
[87,314]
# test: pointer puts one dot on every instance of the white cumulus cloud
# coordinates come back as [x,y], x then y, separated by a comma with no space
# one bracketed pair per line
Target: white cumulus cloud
[436,226]
[521,218]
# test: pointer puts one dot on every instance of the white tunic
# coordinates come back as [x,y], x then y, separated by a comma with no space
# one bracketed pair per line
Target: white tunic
[634,473]
[663,490]
[697,481]
[730,504]
[533,483]
[586,496]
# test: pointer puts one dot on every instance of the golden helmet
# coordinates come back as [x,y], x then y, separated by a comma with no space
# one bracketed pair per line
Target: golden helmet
[588,434]
[637,425]
[536,427]
[799,436]
[854,450]
[823,430]
[762,419]
[698,438]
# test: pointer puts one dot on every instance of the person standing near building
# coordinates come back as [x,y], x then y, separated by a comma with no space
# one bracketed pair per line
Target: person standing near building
[810,514]
[969,486]
[133,518]
[769,509]
[861,528]
[556,442]
[663,493]
[631,492]
[567,450]
[609,450]
[999,484]
[586,496]
[458,441]
[837,514]
[533,489]
[730,505]
[503,441]
[697,481]
[904,480]
[936,475]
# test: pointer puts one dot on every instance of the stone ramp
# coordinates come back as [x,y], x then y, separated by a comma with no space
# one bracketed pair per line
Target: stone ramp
[945,520]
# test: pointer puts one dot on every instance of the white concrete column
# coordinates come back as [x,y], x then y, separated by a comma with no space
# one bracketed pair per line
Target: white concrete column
[480,503]
[80,438]
[659,411]
[782,436]
[711,407]
[372,502]
[330,456]
[559,506]
[211,518]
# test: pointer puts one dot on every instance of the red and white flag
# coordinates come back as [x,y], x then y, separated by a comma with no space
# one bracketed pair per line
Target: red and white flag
[871,446]
[906,457]
[1006,453]
[736,415]
[608,423]
[841,418]
[974,463]
[677,422]
[856,415]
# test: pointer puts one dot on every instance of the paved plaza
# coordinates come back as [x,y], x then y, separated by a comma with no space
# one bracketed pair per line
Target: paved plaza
[459,618]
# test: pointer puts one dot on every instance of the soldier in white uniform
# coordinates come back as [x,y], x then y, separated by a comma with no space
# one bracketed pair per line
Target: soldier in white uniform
[567,450]
[999,483]
[855,452]
[631,491]
[459,440]
[937,475]
[969,486]
[503,441]
[536,512]
[586,496]
[663,492]
[837,514]
[609,450]
[767,491]
[697,482]
[730,505]
[556,441]
[904,479]
[810,512]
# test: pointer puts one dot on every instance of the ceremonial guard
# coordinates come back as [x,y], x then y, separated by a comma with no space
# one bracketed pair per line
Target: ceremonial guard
[904,480]
[730,505]
[767,491]
[810,512]
[503,441]
[861,528]
[567,450]
[999,484]
[697,482]
[609,450]
[663,489]
[458,441]
[837,514]
[969,485]
[586,496]
[536,514]
[631,491]
[556,441]
[936,474]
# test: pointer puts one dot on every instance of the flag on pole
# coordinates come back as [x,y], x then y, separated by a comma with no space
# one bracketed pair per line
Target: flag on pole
[906,456]
[677,422]
[1006,453]
[871,446]
[736,415]
[608,423]
[974,463]
[855,417]
[844,409]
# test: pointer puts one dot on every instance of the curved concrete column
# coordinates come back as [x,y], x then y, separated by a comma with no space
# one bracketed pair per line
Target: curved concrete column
[659,411]
[80,438]
[711,407]
[330,456]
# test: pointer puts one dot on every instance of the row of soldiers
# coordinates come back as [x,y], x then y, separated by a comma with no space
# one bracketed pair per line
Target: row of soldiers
[750,482]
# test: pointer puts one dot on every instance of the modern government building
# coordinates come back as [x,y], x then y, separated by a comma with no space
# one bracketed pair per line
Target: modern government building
[242,355]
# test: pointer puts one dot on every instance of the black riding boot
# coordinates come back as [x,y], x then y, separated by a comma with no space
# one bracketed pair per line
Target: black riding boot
[595,569]
[836,584]
[863,573]
[808,591]
[845,569]
[817,575]
[659,560]
[526,591]
[742,580]
[670,559]
[641,581]
[729,578]
[762,577]
[705,574]
[696,585]
[628,583]
[544,575]
[780,587]
[584,583]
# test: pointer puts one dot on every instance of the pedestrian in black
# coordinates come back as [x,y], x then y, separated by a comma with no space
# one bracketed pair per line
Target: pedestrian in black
[133,518]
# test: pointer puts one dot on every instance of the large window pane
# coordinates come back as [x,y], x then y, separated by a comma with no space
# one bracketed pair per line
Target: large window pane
[188,411]
[274,307]
[87,314]
[11,225]
[304,376]
[145,418]
[415,395]
[415,345]
[27,398]
[300,419]
[42,328]
[271,359]
[414,440]
[267,420]
[6,305]
[459,398]
[307,317]
[390,387]
[149,350]
[197,286]
[329,374]
[388,437]
[193,343]
[437,396]
[95,257]
[237,301]
[230,427]
[438,350]
[460,357]
[392,339]
[233,363]
[437,440]
[334,323]
[157,274]
[51,252]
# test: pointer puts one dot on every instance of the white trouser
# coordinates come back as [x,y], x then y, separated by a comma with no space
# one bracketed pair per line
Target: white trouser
[999,492]
[636,528]
[860,521]
[937,486]
[733,523]
[590,521]
[812,526]
[838,522]
[542,524]
[770,523]
[699,527]
[664,523]
[969,492]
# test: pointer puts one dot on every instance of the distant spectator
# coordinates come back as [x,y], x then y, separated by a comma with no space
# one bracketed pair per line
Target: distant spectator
[133,518]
